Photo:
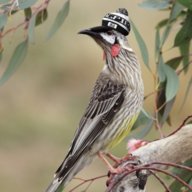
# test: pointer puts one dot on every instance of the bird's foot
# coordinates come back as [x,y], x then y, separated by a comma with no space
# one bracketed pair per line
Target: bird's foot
[101,155]
[113,157]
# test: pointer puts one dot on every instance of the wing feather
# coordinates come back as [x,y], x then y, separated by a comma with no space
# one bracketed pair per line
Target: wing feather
[106,101]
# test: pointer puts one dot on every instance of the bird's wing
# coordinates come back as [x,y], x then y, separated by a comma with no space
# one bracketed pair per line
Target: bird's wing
[107,99]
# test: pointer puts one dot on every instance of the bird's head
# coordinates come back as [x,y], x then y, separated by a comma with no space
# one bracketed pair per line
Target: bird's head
[111,36]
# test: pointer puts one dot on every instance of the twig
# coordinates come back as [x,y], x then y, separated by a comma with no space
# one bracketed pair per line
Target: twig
[87,180]
[154,169]
[150,94]
[160,181]
[183,123]
[25,23]
[171,175]
[170,164]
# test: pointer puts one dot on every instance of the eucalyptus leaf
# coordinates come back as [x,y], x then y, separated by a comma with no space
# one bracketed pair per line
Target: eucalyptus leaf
[142,119]
[157,43]
[165,34]
[1,55]
[4,1]
[189,86]
[176,10]
[186,3]
[185,49]
[60,18]
[185,33]
[174,63]
[142,131]
[166,111]
[31,28]
[28,13]
[160,69]
[3,20]
[155,4]
[23,4]
[161,100]
[41,17]
[182,173]
[172,83]
[142,46]
[16,59]
[162,23]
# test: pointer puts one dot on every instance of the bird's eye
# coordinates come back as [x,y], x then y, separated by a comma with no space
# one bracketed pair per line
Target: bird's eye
[109,33]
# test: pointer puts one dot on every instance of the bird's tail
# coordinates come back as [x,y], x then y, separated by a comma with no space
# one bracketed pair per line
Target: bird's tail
[55,186]
[62,176]
[66,172]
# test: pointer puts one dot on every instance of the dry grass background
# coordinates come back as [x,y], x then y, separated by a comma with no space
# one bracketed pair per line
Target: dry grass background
[41,104]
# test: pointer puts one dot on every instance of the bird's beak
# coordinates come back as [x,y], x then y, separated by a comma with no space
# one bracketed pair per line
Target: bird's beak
[88,32]
[95,31]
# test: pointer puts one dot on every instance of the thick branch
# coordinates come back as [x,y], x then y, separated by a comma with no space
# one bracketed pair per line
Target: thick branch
[169,151]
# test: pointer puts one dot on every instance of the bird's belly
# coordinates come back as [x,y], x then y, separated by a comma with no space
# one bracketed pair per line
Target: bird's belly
[122,131]
[114,133]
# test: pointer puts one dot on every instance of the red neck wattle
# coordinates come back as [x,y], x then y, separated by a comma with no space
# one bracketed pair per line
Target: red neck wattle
[115,49]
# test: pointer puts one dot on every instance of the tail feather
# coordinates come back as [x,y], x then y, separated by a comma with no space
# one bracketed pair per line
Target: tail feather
[65,174]
[55,186]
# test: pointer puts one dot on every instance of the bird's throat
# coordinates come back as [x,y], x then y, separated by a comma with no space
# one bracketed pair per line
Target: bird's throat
[115,50]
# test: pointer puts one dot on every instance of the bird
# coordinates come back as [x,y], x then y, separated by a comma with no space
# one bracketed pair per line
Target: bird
[115,103]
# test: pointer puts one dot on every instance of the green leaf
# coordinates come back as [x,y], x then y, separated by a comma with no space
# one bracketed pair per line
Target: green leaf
[28,13]
[36,20]
[182,173]
[166,73]
[4,1]
[155,4]
[16,59]
[166,111]
[142,119]
[185,33]
[157,43]
[160,69]
[142,46]
[60,18]
[142,130]
[185,49]
[41,17]
[172,83]
[176,10]
[187,91]
[174,63]
[3,20]
[186,3]
[162,23]
[23,4]
[165,34]
[1,55]
[31,29]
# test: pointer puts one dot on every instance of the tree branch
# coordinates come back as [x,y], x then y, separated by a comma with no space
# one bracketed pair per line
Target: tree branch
[155,156]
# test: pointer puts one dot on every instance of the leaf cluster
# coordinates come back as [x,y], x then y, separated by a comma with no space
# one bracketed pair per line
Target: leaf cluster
[34,14]
[167,71]
[167,76]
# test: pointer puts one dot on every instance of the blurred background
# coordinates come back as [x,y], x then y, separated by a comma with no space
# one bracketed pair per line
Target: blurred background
[42,103]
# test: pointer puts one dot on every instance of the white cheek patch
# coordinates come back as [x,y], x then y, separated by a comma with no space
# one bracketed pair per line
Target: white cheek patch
[109,38]
[124,45]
